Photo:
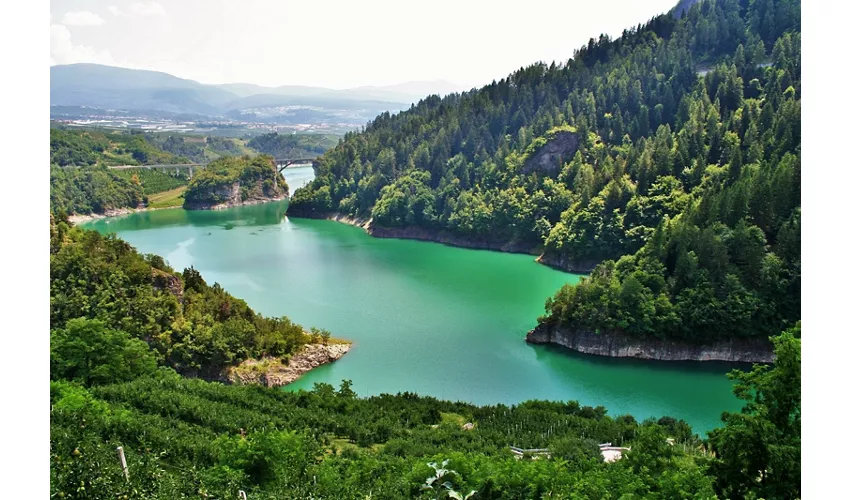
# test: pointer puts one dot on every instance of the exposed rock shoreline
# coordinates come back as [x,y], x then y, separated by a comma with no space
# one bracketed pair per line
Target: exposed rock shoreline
[618,345]
[571,266]
[435,236]
[232,204]
[112,212]
[231,195]
[272,372]
[117,212]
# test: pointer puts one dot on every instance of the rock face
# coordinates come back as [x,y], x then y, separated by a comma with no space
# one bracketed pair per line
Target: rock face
[163,281]
[232,181]
[617,345]
[272,372]
[551,157]
[569,265]
[232,195]
[418,233]
[446,238]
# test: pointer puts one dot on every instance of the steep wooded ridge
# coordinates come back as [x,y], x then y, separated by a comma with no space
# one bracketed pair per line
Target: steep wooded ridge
[682,190]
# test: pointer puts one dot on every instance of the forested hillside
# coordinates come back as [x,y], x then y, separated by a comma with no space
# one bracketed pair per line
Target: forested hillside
[200,149]
[624,152]
[681,189]
[80,147]
[80,183]
[90,147]
[91,190]
[103,291]
[121,321]
[293,145]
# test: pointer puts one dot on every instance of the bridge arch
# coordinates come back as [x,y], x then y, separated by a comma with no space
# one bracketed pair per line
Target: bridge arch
[283,163]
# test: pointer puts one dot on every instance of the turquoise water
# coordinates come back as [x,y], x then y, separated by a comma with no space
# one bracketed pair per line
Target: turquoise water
[423,317]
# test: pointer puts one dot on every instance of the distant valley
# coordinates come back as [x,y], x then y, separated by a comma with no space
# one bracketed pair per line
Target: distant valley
[92,94]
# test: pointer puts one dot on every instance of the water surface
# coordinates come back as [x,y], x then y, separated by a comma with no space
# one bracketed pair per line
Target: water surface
[423,317]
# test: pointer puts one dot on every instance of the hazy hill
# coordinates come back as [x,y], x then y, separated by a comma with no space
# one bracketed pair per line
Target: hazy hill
[407,92]
[108,87]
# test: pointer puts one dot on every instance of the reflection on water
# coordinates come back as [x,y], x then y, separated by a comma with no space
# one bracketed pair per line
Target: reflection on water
[265,214]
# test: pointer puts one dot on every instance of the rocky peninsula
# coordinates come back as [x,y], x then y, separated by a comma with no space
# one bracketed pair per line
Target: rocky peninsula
[274,372]
[619,345]
[235,181]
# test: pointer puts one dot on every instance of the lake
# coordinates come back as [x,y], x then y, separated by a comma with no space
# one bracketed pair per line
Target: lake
[424,317]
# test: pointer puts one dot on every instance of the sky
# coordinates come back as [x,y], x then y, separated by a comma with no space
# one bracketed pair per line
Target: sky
[336,44]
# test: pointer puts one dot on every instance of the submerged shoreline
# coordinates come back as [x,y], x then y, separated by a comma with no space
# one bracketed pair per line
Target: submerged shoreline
[112,212]
[446,238]
[118,212]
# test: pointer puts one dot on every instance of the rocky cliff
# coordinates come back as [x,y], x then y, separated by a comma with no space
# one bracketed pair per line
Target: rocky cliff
[617,345]
[232,181]
[570,265]
[548,154]
[418,233]
[273,372]
[232,195]
[447,238]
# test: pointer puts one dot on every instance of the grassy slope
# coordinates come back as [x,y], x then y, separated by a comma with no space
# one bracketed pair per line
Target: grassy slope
[167,199]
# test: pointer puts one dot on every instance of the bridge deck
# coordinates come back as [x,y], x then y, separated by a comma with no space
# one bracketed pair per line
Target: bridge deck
[284,162]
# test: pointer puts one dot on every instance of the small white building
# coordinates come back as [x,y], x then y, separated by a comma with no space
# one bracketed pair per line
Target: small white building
[612,453]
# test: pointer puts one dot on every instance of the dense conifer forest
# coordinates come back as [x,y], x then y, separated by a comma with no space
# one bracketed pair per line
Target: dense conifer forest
[669,158]
[670,155]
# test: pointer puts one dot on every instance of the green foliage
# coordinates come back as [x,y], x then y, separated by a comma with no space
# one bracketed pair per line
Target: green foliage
[686,188]
[154,181]
[188,437]
[759,448]
[698,285]
[88,352]
[105,298]
[214,184]
[75,147]
[292,145]
[408,201]
[718,156]
[198,149]
[87,190]
[71,148]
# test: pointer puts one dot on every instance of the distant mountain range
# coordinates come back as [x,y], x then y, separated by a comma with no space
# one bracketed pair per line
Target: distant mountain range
[108,87]
[405,93]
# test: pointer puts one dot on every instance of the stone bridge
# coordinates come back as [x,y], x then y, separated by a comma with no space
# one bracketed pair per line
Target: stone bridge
[280,163]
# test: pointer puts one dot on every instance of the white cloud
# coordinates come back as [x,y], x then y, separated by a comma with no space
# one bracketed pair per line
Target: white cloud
[147,8]
[82,18]
[64,51]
